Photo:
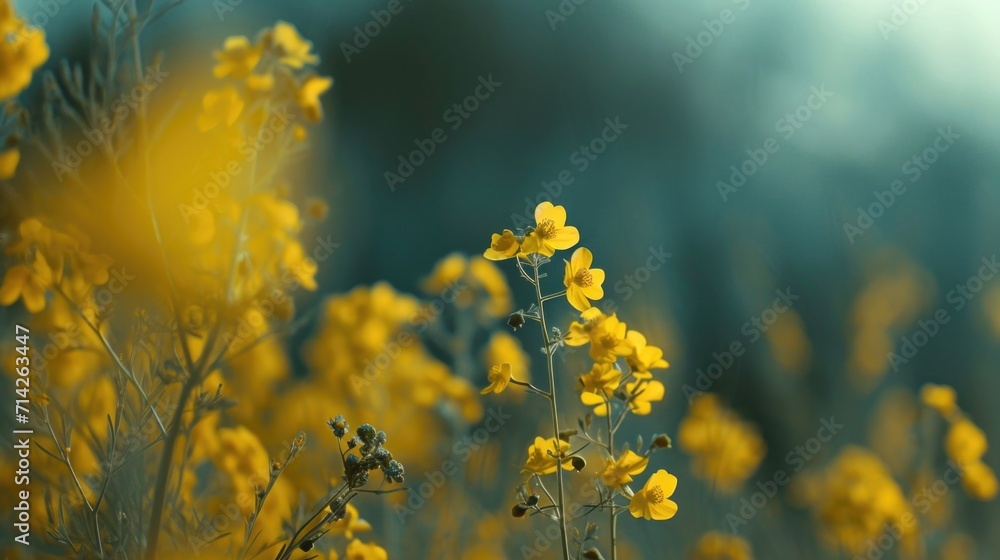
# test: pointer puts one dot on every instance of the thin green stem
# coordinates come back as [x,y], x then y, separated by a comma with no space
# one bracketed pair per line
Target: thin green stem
[611,451]
[563,532]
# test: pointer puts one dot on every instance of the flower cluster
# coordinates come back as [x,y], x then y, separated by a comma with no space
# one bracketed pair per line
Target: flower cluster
[22,51]
[965,443]
[856,498]
[269,70]
[620,382]
[725,449]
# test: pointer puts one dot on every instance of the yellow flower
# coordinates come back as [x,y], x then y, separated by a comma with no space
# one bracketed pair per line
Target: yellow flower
[582,333]
[620,472]
[358,550]
[542,456]
[499,377]
[720,546]
[27,283]
[237,59]
[22,51]
[503,246]
[9,159]
[307,96]
[652,502]
[350,523]
[608,342]
[582,282]
[965,442]
[643,357]
[643,393]
[220,106]
[446,274]
[551,232]
[979,481]
[493,284]
[598,385]
[725,450]
[939,397]
[503,347]
[292,48]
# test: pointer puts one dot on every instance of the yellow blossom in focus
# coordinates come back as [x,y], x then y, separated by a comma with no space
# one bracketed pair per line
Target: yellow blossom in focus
[720,546]
[581,333]
[499,377]
[542,456]
[652,502]
[619,472]
[220,106]
[307,96]
[503,347]
[939,397]
[295,52]
[551,232]
[502,246]
[608,342]
[582,282]
[644,357]
[725,449]
[598,385]
[237,59]
[642,393]
[9,159]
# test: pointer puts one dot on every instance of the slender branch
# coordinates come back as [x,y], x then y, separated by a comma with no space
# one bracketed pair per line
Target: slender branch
[564,533]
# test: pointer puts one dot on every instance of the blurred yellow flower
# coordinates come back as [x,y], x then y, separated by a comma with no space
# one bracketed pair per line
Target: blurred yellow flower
[619,472]
[358,550]
[294,51]
[581,333]
[652,502]
[350,523]
[237,59]
[582,282]
[608,341]
[503,246]
[27,283]
[22,51]
[725,449]
[551,232]
[499,377]
[542,456]
[965,442]
[939,397]
[598,385]
[979,481]
[307,96]
[720,546]
[220,106]
[9,159]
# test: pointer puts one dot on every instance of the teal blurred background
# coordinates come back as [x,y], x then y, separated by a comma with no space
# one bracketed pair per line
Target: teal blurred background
[702,88]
